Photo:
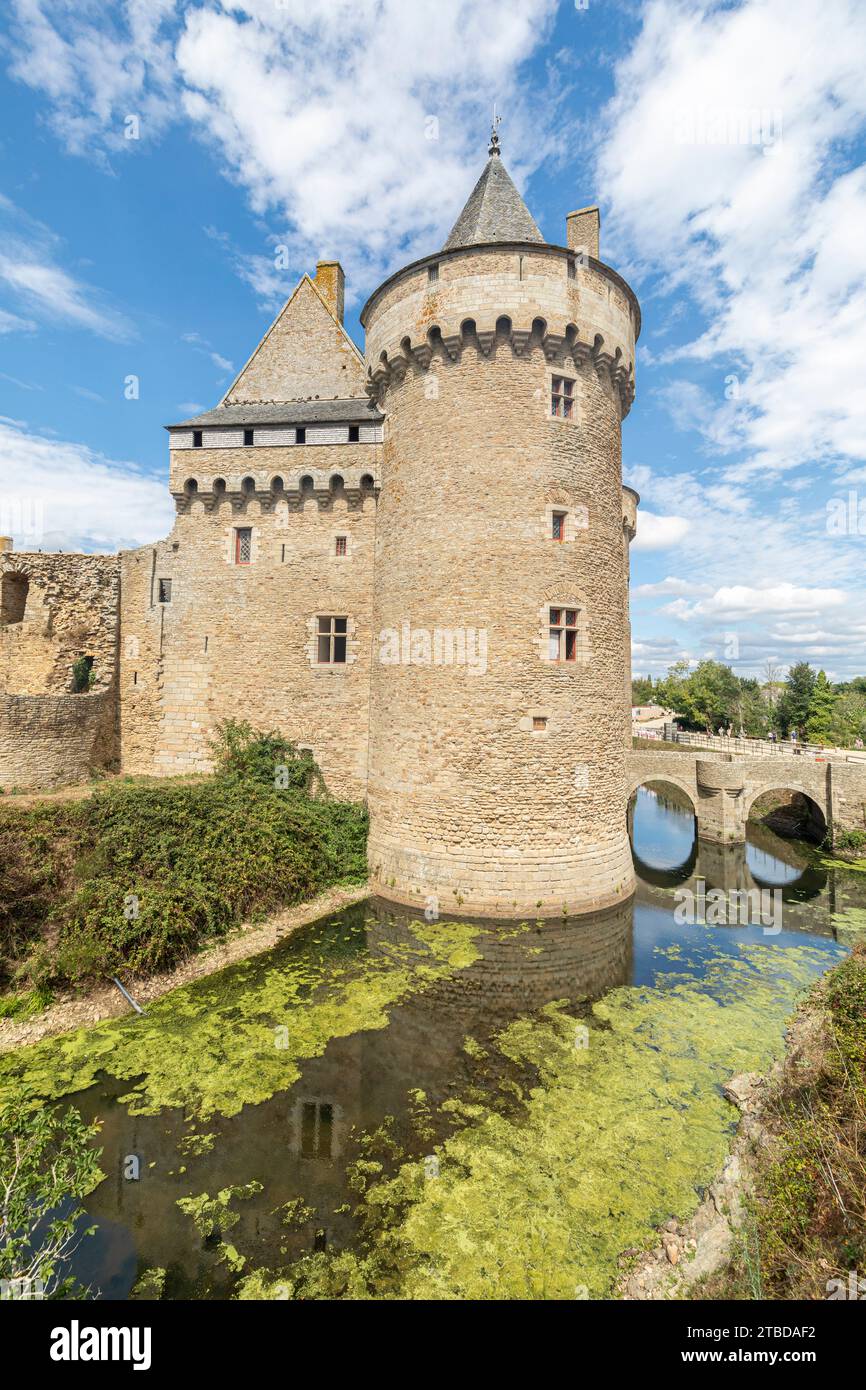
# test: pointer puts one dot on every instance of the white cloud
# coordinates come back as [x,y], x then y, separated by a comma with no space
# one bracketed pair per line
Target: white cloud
[28,253]
[658,532]
[670,585]
[737,601]
[766,238]
[11,323]
[60,495]
[355,126]
[202,345]
[98,66]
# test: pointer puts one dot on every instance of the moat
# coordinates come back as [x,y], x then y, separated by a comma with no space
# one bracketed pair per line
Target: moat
[539,1096]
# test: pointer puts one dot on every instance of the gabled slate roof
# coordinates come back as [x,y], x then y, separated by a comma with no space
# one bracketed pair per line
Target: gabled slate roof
[494,211]
[356,411]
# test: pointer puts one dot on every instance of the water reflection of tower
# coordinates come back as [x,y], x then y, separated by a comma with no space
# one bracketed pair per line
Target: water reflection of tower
[519,971]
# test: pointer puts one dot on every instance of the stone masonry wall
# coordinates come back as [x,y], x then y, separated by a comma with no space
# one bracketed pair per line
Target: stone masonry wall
[501,788]
[237,641]
[71,611]
[49,740]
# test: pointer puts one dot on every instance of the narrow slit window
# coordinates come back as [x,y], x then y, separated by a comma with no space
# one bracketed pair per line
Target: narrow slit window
[563,634]
[562,397]
[165,591]
[432,274]
[317,1129]
[301,435]
[558,529]
[243,545]
[354,434]
[342,542]
[248,437]
[196,439]
[333,638]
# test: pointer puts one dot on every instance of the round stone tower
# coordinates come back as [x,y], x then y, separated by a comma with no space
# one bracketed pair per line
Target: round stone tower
[500,715]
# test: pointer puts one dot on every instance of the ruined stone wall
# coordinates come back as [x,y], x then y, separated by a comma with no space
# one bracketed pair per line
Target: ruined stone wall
[53,610]
[237,641]
[50,740]
[500,788]
[71,611]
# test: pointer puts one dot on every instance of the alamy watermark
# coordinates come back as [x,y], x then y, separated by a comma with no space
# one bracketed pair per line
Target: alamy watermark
[729,125]
[732,907]
[444,646]
[846,516]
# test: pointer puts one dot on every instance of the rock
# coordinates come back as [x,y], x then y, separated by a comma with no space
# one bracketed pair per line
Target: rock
[673,1252]
[740,1090]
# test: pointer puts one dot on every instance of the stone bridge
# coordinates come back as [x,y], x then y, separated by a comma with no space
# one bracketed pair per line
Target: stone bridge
[723,788]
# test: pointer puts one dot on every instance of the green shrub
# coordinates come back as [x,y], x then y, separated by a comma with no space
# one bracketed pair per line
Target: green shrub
[137,875]
[83,675]
[849,839]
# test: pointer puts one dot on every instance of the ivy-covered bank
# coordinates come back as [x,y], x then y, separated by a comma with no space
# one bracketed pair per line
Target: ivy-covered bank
[142,872]
[804,1232]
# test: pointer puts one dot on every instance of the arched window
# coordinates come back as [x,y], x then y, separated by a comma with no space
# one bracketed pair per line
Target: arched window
[13,598]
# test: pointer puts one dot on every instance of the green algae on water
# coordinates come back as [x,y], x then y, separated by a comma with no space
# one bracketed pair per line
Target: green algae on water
[617,1135]
[239,1037]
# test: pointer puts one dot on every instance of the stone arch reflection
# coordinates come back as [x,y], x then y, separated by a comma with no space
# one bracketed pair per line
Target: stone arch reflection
[662,829]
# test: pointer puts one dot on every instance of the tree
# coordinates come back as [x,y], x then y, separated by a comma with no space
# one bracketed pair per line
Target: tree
[793,707]
[713,695]
[672,691]
[820,718]
[642,691]
[47,1163]
[848,721]
[754,712]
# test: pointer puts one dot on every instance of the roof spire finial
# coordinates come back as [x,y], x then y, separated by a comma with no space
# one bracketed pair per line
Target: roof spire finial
[494,133]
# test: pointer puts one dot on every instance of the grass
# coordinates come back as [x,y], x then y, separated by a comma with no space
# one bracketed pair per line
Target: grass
[806,1224]
[138,875]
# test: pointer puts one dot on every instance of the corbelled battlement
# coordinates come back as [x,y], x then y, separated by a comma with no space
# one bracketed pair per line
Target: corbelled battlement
[266,493]
[527,296]
[561,348]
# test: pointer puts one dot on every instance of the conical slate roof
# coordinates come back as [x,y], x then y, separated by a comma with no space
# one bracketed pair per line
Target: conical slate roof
[494,211]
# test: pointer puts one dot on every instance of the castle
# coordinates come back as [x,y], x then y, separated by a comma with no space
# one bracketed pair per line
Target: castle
[414,563]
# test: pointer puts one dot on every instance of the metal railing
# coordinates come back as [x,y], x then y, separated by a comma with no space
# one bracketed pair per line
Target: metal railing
[748,747]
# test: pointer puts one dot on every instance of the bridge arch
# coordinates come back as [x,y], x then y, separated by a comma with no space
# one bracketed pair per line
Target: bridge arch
[661,779]
[816,804]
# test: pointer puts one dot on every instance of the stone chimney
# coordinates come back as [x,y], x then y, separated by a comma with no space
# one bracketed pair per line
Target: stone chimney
[582,231]
[331,282]
[5,543]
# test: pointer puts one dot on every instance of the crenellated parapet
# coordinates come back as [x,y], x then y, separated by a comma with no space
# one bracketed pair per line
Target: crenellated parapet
[561,349]
[524,298]
[266,492]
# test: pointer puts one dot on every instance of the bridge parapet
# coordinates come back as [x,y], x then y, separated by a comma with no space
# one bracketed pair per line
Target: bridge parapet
[724,788]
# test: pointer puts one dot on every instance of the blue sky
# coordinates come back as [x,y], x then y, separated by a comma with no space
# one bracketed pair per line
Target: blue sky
[726,144]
